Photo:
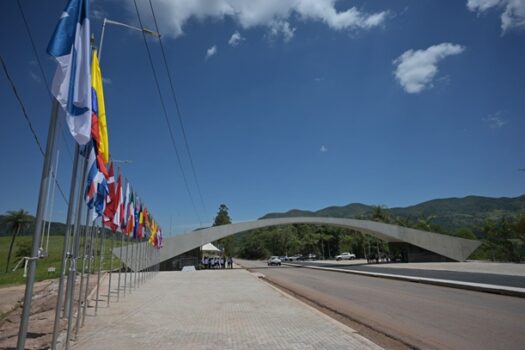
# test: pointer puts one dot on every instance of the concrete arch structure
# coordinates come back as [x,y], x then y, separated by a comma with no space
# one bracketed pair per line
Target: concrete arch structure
[454,248]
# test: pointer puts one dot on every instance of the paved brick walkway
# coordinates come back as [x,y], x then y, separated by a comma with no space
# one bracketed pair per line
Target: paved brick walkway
[213,310]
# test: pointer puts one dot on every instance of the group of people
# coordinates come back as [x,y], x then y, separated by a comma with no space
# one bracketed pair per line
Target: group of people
[217,262]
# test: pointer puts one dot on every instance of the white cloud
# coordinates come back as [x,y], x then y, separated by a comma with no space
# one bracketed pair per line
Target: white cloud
[496,120]
[235,39]
[212,51]
[272,14]
[513,16]
[99,14]
[282,28]
[416,69]
[323,149]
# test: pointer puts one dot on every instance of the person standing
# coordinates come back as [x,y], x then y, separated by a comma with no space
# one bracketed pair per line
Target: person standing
[230,262]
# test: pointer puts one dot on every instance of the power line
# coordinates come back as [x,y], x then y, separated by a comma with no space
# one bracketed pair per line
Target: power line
[166,115]
[35,52]
[26,25]
[179,114]
[26,116]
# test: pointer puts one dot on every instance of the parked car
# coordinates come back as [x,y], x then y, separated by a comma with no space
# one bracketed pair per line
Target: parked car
[311,256]
[284,258]
[274,261]
[345,256]
[295,257]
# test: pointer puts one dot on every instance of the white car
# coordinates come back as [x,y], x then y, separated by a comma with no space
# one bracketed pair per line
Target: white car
[274,260]
[345,256]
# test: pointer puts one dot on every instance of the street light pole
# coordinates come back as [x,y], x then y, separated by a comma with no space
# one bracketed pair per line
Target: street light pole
[108,21]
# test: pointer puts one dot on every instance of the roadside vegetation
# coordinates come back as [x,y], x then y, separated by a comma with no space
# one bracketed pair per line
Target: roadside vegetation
[54,259]
[502,239]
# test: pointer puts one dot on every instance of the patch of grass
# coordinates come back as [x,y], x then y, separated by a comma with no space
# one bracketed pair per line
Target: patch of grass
[54,259]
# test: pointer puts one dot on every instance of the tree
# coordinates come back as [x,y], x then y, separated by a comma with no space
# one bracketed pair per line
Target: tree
[425,223]
[465,232]
[23,247]
[380,213]
[223,218]
[17,220]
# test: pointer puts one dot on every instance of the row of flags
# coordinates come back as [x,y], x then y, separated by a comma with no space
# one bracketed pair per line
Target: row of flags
[78,87]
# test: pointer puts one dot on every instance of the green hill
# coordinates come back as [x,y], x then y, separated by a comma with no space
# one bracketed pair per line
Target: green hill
[449,213]
[57,228]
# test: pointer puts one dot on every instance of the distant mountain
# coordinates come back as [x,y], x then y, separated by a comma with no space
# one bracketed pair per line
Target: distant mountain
[57,228]
[449,213]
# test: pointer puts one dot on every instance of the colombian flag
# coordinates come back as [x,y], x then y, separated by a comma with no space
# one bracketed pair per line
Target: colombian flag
[97,96]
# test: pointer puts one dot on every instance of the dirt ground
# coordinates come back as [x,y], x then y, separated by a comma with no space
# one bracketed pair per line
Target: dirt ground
[42,313]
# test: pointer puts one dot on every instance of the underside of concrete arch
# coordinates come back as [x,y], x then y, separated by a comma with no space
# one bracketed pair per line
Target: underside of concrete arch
[449,247]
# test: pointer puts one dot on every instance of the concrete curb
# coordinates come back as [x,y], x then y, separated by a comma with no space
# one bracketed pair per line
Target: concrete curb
[478,287]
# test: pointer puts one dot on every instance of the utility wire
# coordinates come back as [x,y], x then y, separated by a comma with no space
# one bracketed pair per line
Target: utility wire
[179,114]
[166,115]
[24,112]
[35,52]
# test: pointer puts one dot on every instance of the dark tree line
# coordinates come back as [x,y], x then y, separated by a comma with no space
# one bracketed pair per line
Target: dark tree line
[502,239]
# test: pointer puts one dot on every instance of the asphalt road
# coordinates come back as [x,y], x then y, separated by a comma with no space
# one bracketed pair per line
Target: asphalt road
[474,277]
[423,316]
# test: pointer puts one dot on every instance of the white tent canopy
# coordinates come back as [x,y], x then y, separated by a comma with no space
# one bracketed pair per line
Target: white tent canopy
[208,247]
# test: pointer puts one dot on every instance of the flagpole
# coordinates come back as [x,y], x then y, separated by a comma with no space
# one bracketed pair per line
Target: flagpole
[131,265]
[120,268]
[142,259]
[126,271]
[86,233]
[112,238]
[35,251]
[65,254]
[90,257]
[100,261]
[137,259]
[71,279]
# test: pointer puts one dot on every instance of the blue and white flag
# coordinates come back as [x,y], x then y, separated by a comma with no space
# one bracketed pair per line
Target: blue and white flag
[72,82]
[97,187]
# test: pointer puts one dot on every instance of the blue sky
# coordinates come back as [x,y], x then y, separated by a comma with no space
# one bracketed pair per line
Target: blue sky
[288,104]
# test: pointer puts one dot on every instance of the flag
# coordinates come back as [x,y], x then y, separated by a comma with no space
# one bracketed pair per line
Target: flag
[96,188]
[99,108]
[71,85]
[130,223]
[153,240]
[159,239]
[118,203]
[140,222]
[146,218]
[124,209]
[136,219]
[111,199]
[95,136]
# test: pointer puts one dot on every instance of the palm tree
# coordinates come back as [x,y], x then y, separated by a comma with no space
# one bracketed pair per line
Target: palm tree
[17,220]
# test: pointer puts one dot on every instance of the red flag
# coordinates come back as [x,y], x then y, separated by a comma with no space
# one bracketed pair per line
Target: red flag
[111,200]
